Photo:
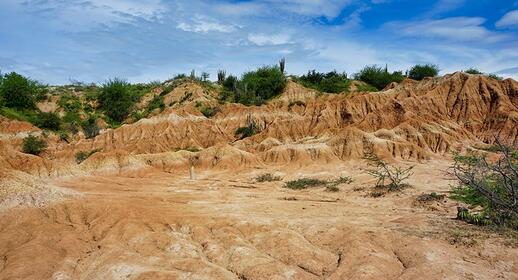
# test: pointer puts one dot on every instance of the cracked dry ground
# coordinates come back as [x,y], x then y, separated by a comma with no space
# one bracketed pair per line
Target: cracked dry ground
[154,225]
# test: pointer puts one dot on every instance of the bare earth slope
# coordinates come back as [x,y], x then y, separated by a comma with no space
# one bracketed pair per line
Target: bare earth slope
[130,211]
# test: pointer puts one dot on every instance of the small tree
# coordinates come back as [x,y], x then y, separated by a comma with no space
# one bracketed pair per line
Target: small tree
[490,184]
[419,72]
[33,145]
[378,77]
[18,91]
[387,176]
[116,100]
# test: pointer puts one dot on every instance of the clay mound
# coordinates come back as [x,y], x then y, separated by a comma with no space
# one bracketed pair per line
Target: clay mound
[412,120]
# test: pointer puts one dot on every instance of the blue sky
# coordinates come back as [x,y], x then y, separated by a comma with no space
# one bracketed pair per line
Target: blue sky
[56,41]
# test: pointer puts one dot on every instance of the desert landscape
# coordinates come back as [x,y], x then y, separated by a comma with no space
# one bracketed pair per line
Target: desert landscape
[179,195]
[258,140]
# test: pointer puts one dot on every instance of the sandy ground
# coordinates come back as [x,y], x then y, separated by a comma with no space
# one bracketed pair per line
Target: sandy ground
[155,225]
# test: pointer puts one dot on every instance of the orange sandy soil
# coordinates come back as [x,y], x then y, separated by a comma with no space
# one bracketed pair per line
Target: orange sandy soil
[156,225]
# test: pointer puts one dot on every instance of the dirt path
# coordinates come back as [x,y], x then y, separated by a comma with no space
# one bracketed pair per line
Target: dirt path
[223,226]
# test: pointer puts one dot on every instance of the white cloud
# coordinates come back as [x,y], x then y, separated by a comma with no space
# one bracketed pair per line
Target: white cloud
[443,6]
[261,39]
[508,20]
[79,14]
[455,28]
[327,8]
[203,24]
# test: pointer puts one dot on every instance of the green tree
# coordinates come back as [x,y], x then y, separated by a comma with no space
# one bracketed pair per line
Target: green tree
[332,82]
[378,77]
[116,100]
[18,91]
[419,72]
[262,84]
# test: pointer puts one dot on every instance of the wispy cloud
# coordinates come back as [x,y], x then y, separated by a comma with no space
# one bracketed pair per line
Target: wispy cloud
[508,20]
[454,29]
[272,39]
[203,24]
[141,40]
[81,14]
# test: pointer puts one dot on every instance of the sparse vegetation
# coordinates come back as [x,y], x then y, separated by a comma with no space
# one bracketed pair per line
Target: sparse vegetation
[304,183]
[419,72]
[331,82]
[428,197]
[83,155]
[366,88]
[156,103]
[90,127]
[495,76]
[33,145]
[210,112]
[251,128]
[490,184]
[390,177]
[267,177]
[473,71]
[378,77]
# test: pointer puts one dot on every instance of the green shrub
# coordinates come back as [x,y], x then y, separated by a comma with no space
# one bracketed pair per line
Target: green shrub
[260,85]
[473,71]
[49,120]
[366,88]
[489,183]
[332,188]
[267,177]
[33,145]
[82,155]
[18,91]
[390,177]
[304,183]
[90,128]
[248,130]
[116,100]
[254,87]
[156,103]
[419,72]
[331,82]
[495,76]
[210,112]
[378,77]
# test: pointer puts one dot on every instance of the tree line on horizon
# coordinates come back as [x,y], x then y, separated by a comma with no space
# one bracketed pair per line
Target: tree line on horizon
[114,101]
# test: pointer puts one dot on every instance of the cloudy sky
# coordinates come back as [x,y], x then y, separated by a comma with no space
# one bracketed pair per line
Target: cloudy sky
[56,41]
